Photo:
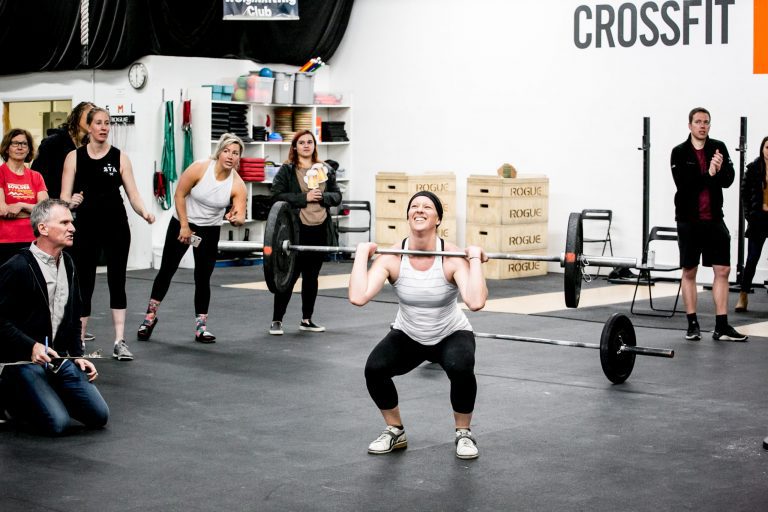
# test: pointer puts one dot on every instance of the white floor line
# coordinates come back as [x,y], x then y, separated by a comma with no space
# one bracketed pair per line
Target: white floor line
[323,283]
[555,301]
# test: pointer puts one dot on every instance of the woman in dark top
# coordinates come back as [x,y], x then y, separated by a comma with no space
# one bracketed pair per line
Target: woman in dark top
[57,145]
[754,198]
[309,186]
[96,172]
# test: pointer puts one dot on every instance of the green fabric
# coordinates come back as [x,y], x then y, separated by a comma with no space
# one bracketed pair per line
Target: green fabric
[168,164]
[188,158]
[187,129]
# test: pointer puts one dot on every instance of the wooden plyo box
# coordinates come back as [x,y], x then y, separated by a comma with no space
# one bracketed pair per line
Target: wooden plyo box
[394,189]
[507,238]
[392,231]
[401,183]
[495,200]
[392,205]
[511,269]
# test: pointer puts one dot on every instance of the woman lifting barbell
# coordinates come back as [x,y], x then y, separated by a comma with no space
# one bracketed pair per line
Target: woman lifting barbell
[429,325]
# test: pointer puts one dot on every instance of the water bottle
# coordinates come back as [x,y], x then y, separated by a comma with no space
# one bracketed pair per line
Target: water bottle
[651,261]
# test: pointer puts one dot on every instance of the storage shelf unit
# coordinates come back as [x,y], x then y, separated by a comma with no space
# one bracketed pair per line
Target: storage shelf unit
[205,143]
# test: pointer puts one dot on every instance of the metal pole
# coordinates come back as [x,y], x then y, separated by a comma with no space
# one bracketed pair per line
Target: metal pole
[641,351]
[646,149]
[586,260]
[742,149]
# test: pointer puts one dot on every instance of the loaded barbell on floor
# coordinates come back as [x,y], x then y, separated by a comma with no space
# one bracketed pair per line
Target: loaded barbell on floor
[281,237]
[618,347]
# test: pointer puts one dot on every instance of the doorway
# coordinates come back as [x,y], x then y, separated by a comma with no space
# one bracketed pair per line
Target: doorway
[36,116]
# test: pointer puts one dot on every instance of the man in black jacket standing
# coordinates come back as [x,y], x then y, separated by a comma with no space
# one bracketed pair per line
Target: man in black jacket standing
[39,324]
[702,168]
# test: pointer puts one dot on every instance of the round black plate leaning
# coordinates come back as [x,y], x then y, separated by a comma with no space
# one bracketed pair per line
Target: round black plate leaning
[617,330]
[574,246]
[279,265]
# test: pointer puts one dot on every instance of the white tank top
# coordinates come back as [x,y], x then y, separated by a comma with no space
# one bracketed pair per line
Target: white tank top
[428,308]
[208,200]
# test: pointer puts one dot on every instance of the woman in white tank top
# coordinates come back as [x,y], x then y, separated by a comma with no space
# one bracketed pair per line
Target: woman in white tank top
[205,190]
[429,325]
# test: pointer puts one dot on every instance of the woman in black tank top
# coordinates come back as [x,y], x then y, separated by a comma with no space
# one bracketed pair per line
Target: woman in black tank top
[95,172]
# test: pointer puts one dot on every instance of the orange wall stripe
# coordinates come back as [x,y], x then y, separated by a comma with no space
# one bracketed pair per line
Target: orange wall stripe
[761,37]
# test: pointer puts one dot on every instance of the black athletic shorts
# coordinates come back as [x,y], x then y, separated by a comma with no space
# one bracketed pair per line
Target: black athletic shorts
[709,240]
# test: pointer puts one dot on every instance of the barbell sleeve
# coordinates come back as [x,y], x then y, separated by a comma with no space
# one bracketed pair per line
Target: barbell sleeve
[641,351]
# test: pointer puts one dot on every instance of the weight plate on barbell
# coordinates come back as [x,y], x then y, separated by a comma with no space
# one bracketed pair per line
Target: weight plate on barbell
[279,265]
[574,247]
[617,365]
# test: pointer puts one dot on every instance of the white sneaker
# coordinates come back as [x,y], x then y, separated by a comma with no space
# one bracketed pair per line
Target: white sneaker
[121,352]
[466,447]
[392,438]
[276,328]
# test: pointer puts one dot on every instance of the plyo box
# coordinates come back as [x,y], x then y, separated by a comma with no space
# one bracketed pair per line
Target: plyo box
[392,231]
[495,200]
[507,238]
[439,184]
[511,269]
[390,205]
[394,189]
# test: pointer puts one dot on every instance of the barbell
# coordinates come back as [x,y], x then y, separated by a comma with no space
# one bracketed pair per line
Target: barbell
[55,361]
[618,347]
[281,245]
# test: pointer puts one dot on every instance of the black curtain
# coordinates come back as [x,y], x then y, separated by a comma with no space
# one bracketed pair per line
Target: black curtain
[44,35]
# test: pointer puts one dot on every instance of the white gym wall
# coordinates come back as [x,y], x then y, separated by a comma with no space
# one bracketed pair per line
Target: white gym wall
[448,85]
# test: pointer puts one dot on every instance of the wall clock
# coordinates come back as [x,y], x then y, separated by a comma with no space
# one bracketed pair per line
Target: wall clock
[137,75]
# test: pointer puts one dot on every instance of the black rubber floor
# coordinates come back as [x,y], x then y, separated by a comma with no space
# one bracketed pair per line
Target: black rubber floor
[261,423]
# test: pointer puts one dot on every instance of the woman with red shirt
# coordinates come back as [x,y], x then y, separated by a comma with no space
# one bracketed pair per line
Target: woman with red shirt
[21,189]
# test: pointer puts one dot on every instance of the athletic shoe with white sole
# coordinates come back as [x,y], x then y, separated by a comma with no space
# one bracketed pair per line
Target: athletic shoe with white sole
[392,438]
[121,352]
[693,333]
[466,446]
[311,326]
[276,328]
[729,334]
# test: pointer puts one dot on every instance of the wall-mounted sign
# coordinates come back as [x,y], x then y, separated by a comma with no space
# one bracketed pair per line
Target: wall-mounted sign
[272,10]
[129,119]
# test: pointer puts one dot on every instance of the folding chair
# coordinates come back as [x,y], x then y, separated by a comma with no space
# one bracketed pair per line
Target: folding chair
[658,234]
[348,205]
[600,216]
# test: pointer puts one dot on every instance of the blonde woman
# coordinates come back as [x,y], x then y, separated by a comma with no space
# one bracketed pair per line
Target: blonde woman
[205,190]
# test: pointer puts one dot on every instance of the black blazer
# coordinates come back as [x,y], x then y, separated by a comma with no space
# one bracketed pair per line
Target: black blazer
[25,317]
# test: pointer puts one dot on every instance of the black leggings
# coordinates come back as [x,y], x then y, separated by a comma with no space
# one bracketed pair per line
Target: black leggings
[205,261]
[754,248]
[109,232]
[308,265]
[398,354]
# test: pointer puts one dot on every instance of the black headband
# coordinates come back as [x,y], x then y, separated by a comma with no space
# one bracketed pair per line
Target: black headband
[432,197]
